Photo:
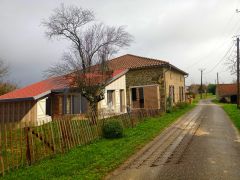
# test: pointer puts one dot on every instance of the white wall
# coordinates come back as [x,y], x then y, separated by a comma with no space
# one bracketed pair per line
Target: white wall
[41,112]
[117,85]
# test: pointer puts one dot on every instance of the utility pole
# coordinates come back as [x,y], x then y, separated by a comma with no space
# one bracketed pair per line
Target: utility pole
[217,79]
[238,86]
[201,88]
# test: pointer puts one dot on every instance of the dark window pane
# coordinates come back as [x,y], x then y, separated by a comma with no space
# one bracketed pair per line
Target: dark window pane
[48,107]
[110,98]
[141,96]
[76,104]
[134,94]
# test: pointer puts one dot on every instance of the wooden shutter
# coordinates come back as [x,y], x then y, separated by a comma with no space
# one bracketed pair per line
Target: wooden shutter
[151,97]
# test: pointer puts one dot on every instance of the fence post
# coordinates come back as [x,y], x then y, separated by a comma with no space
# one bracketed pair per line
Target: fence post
[28,153]
[2,164]
[1,158]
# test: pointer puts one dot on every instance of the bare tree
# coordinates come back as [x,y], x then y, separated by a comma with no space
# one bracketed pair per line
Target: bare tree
[6,87]
[3,69]
[92,44]
[232,64]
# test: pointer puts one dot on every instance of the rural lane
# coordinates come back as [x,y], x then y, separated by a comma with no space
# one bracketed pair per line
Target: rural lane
[203,144]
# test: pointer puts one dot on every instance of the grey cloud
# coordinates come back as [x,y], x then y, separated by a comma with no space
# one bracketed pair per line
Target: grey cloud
[179,31]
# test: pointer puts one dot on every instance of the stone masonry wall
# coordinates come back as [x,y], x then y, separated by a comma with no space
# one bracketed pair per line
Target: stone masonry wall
[146,76]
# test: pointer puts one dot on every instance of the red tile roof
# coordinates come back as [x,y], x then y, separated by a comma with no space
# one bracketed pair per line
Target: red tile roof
[118,65]
[34,91]
[129,61]
[226,89]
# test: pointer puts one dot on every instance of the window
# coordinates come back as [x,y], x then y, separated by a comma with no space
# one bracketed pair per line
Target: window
[180,94]
[141,97]
[48,106]
[110,98]
[134,94]
[122,100]
[68,104]
[183,94]
[76,104]
[137,97]
[172,93]
[72,104]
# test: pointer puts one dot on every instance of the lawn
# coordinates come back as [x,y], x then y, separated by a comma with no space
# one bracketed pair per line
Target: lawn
[232,111]
[205,96]
[95,160]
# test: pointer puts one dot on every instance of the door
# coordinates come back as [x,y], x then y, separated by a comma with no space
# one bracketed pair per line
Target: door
[122,100]
[152,99]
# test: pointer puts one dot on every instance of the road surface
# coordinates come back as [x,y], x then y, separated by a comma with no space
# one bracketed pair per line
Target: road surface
[203,144]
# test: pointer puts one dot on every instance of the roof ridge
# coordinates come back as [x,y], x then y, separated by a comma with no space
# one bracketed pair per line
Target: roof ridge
[228,84]
[142,57]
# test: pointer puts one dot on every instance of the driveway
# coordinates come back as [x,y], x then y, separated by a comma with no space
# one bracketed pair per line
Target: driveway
[203,144]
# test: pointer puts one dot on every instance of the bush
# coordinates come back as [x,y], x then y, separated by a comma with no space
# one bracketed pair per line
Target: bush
[169,105]
[181,105]
[112,129]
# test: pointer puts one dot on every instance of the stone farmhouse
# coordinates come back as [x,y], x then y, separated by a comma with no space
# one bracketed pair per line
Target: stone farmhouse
[136,82]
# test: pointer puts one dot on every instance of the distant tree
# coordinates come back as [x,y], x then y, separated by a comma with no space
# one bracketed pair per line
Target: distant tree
[211,88]
[3,70]
[92,44]
[7,87]
[202,89]
[231,64]
[193,89]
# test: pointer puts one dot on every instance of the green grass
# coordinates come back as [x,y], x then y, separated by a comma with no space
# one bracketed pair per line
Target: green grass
[205,96]
[95,160]
[232,111]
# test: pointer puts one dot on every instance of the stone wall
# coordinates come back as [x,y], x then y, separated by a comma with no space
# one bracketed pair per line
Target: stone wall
[143,77]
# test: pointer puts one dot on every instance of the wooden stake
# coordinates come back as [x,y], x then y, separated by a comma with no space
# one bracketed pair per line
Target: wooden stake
[28,153]
[1,158]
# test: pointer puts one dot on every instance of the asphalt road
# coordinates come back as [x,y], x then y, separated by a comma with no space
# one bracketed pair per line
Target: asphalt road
[203,144]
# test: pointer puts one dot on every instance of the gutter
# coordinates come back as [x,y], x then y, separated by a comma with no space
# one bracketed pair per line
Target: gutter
[17,99]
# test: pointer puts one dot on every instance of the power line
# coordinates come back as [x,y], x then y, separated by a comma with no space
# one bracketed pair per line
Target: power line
[238,81]
[223,58]
[205,57]
[233,30]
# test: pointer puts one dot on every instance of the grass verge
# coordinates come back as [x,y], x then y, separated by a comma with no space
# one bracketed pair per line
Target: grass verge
[95,160]
[232,111]
[205,96]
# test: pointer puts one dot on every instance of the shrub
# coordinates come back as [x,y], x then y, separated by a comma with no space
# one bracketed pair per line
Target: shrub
[169,105]
[112,129]
[181,105]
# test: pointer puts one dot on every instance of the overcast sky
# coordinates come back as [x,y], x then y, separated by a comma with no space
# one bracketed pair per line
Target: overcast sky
[190,34]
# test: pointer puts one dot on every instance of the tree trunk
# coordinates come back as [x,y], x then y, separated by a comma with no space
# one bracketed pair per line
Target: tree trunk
[93,112]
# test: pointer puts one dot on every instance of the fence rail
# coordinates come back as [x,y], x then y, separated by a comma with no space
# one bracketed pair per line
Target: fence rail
[24,144]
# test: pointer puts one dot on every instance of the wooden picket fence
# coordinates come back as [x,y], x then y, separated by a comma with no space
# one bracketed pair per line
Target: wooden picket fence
[24,144]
